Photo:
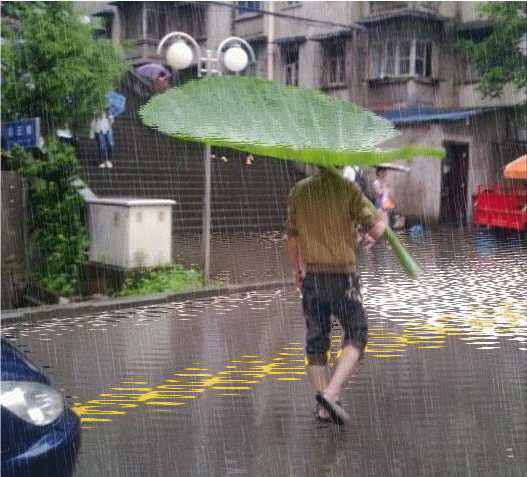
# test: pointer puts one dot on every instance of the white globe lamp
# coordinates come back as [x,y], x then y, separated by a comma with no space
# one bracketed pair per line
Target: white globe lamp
[235,59]
[179,55]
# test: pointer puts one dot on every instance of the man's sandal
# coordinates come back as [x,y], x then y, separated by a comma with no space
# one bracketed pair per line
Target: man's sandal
[319,416]
[335,409]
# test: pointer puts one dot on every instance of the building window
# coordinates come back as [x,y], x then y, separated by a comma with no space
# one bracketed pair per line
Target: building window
[156,23]
[383,8]
[260,52]
[401,58]
[199,25]
[190,18]
[380,8]
[423,59]
[290,55]
[376,61]
[405,52]
[336,63]
[244,8]
[133,23]
[391,55]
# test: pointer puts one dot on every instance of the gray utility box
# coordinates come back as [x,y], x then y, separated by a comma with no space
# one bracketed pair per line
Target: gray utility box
[130,233]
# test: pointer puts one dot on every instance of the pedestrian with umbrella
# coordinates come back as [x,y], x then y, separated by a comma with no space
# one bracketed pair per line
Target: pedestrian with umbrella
[158,74]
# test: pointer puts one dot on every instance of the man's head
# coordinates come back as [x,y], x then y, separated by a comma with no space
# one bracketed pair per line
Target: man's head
[323,169]
[380,172]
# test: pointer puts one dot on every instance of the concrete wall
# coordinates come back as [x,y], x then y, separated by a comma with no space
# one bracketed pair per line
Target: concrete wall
[418,193]
[219,24]
[468,11]
[469,96]
[485,164]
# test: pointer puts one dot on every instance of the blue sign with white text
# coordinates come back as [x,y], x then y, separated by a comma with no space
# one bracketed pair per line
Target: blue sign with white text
[22,132]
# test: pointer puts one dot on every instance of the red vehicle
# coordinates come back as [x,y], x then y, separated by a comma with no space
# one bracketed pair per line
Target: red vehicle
[501,207]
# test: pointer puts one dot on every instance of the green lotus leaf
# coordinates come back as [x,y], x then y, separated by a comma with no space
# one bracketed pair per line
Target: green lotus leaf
[285,122]
[271,119]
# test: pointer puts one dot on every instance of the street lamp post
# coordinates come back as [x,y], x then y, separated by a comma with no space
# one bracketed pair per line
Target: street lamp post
[233,54]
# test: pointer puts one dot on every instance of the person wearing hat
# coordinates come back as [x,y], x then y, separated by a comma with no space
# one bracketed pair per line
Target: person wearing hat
[324,212]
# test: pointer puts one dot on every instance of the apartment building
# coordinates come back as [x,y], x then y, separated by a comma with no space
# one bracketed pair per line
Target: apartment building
[395,58]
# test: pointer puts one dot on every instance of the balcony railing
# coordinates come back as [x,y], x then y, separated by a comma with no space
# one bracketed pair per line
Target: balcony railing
[383,8]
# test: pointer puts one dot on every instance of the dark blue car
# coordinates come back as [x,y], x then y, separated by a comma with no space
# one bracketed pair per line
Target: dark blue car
[40,434]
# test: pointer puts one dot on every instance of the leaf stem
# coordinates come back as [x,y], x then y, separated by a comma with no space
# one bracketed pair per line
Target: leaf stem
[409,265]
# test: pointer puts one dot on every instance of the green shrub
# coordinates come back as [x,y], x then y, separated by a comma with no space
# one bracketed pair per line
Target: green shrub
[145,281]
[54,214]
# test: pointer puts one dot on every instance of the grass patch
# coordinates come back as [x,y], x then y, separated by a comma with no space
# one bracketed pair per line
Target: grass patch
[146,281]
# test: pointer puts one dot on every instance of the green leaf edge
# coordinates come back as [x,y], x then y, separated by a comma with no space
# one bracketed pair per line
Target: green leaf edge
[315,156]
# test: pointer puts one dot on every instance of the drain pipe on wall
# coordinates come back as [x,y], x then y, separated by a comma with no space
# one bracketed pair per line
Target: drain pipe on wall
[270,42]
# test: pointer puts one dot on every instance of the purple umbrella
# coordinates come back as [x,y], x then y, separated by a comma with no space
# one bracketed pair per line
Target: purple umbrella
[153,71]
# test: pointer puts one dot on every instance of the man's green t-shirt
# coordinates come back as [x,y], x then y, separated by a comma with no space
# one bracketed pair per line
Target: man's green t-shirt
[323,213]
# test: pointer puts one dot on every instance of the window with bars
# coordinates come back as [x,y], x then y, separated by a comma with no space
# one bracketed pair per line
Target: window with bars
[191,19]
[291,4]
[403,57]
[200,28]
[156,23]
[391,55]
[376,61]
[244,8]
[133,23]
[383,8]
[423,59]
[290,55]
[336,64]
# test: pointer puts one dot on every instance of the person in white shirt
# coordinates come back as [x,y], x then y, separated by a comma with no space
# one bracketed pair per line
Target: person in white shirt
[101,131]
[382,199]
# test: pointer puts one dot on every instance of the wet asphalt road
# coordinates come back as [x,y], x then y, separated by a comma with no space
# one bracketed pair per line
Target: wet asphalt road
[216,386]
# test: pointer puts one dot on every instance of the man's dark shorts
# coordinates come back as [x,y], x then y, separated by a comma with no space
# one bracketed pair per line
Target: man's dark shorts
[335,294]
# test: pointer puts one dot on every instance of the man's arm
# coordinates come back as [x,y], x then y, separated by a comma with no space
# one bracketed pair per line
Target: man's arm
[379,226]
[372,220]
[295,259]
[376,231]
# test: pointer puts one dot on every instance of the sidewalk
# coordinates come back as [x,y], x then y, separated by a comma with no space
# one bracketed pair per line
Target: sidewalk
[239,262]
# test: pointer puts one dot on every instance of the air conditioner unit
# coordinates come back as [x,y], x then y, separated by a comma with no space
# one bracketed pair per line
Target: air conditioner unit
[130,233]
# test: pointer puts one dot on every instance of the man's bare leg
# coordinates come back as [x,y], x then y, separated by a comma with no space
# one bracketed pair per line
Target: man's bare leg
[347,361]
[319,377]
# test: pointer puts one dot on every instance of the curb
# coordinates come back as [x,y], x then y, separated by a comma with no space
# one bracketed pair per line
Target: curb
[74,309]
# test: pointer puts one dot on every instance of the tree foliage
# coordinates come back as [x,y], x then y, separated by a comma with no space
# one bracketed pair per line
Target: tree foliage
[52,67]
[501,57]
[54,216]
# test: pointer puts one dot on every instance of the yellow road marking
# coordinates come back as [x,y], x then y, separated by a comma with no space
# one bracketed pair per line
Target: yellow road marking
[243,374]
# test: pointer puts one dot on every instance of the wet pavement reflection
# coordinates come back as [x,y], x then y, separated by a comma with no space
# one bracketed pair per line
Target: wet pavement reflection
[216,386]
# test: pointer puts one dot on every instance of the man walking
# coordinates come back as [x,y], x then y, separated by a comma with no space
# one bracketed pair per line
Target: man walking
[324,213]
